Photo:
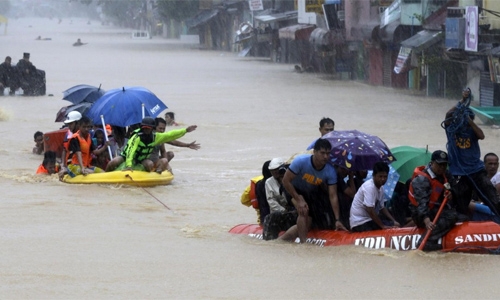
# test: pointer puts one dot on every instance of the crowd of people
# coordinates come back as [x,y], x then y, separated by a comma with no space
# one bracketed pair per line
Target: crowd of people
[88,148]
[310,192]
[24,75]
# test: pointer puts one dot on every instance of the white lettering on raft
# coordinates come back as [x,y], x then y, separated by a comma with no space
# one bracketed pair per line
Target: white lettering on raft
[479,237]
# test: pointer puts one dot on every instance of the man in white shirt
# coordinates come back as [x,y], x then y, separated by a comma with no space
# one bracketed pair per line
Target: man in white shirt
[369,202]
[282,214]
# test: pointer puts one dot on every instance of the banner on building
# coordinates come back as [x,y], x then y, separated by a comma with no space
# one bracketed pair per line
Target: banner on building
[255,5]
[494,66]
[471,28]
[402,60]
[455,33]
[391,13]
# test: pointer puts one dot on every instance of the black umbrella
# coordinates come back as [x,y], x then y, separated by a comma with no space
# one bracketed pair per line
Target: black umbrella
[83,93]
[82,108]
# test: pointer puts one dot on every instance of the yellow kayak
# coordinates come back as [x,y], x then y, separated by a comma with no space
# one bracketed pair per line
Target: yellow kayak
[135,178]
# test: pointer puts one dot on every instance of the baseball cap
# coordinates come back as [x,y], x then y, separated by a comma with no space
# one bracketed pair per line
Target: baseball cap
[439,156]
[276,163]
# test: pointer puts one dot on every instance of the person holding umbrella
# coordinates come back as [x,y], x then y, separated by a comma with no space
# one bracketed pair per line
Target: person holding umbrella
[141,144]
[427,192]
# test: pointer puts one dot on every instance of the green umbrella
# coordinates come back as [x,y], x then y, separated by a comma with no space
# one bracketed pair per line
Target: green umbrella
[407,159]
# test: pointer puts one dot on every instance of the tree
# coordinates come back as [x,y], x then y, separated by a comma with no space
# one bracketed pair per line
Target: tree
[4,7]
[124,11]
[178,10]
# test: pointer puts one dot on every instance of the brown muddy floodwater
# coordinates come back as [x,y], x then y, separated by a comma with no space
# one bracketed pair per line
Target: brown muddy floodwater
[62,241]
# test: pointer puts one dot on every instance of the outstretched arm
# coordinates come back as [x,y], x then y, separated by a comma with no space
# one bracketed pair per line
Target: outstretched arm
[192,145]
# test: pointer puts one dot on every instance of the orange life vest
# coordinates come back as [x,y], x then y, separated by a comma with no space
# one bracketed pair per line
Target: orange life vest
[42,170]
[84,148]
[436,186]
[68,137]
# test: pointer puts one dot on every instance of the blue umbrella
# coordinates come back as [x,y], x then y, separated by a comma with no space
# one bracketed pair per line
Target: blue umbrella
[83,93]
[123,107]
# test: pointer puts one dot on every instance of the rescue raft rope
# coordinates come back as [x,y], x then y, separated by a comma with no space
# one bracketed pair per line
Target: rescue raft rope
[130,177]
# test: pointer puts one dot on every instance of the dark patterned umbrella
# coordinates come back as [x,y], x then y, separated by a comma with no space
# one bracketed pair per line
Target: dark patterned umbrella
[356,150]
[82,108]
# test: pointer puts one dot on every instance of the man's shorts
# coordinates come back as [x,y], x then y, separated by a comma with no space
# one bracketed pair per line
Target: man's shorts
[320,209]
[74,170]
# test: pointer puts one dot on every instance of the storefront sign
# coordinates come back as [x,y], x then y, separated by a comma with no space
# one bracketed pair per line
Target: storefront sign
[391,13]
[471,28]
[455,33]
[402,60]
[494,66]
[315,6]
[255,5]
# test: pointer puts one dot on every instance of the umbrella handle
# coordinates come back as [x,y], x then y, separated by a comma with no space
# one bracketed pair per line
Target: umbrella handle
[106,137]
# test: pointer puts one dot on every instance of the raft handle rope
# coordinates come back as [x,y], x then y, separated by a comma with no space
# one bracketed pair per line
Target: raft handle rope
[457,122]
[130,177]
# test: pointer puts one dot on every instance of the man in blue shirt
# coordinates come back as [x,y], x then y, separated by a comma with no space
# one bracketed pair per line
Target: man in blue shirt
[465,157]
[308,180]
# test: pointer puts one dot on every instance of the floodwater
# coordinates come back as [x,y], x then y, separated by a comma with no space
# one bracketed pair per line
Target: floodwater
[63,241]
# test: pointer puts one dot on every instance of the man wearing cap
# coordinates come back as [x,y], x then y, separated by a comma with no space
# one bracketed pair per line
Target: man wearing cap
[465,157]
[282,213]
[428,188]
[309,181]
[141,144]
[31,80]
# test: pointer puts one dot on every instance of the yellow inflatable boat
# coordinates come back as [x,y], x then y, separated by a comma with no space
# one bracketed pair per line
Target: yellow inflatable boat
[135,178]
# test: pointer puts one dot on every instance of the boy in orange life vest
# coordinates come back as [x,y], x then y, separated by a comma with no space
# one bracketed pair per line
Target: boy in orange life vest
[427,191]
[49,165]
[81,149]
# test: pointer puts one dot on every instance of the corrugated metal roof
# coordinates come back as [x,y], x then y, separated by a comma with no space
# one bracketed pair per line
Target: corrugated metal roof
[290,15]
[422,40]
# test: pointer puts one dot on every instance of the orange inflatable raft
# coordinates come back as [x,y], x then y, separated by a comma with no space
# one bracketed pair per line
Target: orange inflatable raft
[472,237]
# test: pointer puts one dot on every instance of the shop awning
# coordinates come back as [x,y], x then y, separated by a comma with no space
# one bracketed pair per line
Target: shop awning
[387,33]
[290,15]
[296,32]
[202,18]
[422,40]
[366,31]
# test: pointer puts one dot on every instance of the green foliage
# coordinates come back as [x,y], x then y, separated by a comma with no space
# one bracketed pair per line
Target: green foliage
[4,6]
[122,10]
[420,18]
[178,10]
